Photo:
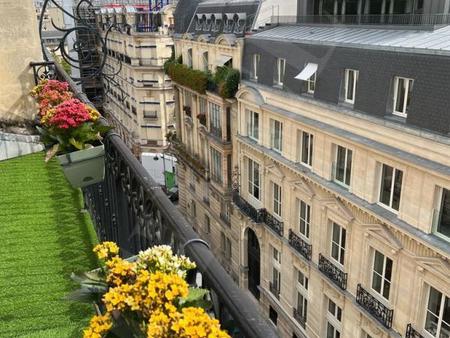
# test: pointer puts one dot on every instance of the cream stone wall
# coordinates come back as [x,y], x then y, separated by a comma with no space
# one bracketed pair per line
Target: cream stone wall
[20,45]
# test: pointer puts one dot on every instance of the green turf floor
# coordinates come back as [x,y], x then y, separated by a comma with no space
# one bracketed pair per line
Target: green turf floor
[44,236]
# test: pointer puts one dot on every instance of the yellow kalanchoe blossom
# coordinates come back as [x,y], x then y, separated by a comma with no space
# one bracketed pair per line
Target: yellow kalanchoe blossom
[98,327]
[93,113]
[120,271]
[106,250]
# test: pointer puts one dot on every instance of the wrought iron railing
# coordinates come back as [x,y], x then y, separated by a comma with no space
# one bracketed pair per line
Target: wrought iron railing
[275,289]
[301,319]
[257,215]
[377,309]
[411,19]
[216,131]
[300,245]
[412,333]
[132,210]
[274,224]
[330,270]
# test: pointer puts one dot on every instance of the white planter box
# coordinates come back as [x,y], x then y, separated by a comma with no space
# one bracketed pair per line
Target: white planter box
[84,167]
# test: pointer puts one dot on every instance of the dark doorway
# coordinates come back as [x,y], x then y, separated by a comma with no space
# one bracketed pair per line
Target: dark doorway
[253,258]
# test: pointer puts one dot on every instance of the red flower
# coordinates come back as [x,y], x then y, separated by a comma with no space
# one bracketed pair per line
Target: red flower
[70,114]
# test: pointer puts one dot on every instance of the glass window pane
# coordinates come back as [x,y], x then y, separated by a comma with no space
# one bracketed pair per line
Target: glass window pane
[443,226]
[388,269]
[401,92]
[348,167]
[431,323]
[386,289]
[386,183]
[397,189]
[434,301]
[343,237]
[340,163]
[376,282]
[378,263]
[330,331]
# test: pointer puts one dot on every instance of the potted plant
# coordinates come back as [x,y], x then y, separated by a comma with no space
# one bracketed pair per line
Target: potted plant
[146,296]
[71,130]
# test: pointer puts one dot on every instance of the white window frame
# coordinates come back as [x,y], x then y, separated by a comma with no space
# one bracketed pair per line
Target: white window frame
[391,195]
[276,127]
[255,65]
[302,291]
[344,182]
[276,268]
[252,129]
[277,199]
[281,71]
[340,259]
[408,88]
[438,211]
[333,318]
[311,83]
[346,85]
[190,54]
[305,220]
[216,164]
[205,61]
[215,115]
[252,186]
[383,277]
[310,148]
[439,317]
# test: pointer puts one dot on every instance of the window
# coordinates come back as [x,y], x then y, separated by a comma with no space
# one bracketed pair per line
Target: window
[273,315]
[343,166]
[302,295]
[382,274]
[311,83]
[252,124]
[441,221]
[215,123]
[276,267]
[189,58]
[276,189]
[334,317]
[254,179]
[304,217]
[402,95]
[338,235]
[351,81]
[276,135]
[205,60]
[306,148]
[255,66]
[193,209]
[391,187]
[207,224]
[437,320]
[280,67]
[225,245]
[216,165]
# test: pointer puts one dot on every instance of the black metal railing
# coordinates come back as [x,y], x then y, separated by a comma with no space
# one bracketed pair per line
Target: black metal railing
[412,333]
[300,245]
[216,131]
[301,319]
[131,209]
[257,215]
[274,224]
[330,270]
[225,218]
[412,19]
[274,289]
[372,305]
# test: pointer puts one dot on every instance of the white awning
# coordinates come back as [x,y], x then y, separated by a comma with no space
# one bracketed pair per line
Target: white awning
[130,9]
[218,16]
[207,16]
[307,72]
[199,16]
[229,16]
[242,16]
[223,59]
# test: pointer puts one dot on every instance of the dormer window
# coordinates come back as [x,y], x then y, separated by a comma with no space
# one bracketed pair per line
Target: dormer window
[402,95]
[240,19]
[309,75]
[280,67]
[216,22]
[198,22]
[228,23]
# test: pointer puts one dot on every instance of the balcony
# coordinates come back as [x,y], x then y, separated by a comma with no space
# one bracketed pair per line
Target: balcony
[412,333]
[182,154]
[299,318]
[47,235]
[412,19]
[274,289]
[257,215]
[216,131]
[330,270]
[274,224]
[300,245]
[372,305]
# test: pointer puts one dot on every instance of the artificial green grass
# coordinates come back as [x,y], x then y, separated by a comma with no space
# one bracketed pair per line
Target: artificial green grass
[44,236]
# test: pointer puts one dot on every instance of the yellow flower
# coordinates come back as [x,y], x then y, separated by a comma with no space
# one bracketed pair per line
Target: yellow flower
[93,113]
[106,250]
[98,327]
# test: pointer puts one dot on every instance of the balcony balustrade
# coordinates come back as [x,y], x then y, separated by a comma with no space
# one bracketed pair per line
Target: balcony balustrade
[377,309]
[412,333]
[129,208]
[257,215]
[275,224]
[300,245]
[274,289]
[299,318]
[330,270]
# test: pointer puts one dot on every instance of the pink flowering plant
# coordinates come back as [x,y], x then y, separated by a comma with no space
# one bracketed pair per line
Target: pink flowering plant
[66,124]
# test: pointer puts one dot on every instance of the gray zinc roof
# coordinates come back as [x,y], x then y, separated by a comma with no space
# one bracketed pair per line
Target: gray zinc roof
[415,41]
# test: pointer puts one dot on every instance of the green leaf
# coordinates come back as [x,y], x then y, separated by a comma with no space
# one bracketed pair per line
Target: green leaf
[76,144]
[197,297]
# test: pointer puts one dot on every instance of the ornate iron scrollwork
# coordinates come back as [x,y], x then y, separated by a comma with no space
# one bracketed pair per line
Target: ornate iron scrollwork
[411,332]
[374,307]
[300,245]
[333,272]
[299,318]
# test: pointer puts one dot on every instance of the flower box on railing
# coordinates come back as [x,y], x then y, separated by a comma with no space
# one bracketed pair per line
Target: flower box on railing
[412,333]
[376,308]
[274,224]
[330,270]
[274,289]
[300,245]
[299,318]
